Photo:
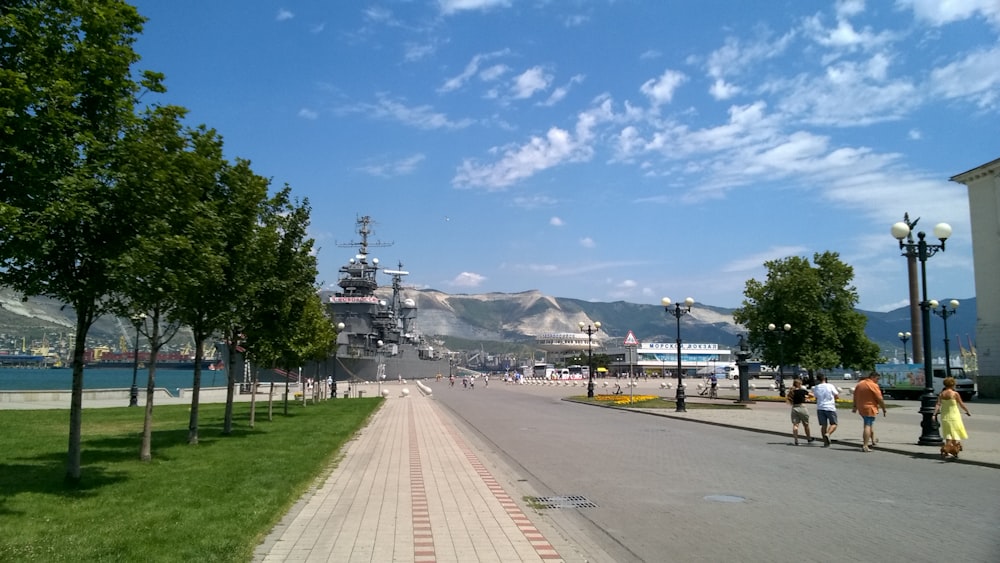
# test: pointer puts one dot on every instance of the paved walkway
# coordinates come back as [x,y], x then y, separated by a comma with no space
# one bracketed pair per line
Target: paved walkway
[411,487]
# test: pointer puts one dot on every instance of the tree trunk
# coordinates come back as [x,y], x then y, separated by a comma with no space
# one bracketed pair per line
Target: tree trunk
[73,468]
[227,425]
[146,450]
[195,391]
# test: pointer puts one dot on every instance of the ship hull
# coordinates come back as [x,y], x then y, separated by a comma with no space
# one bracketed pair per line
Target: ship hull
[396,368]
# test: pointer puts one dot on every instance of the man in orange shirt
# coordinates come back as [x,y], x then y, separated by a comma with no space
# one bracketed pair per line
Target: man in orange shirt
[867,402]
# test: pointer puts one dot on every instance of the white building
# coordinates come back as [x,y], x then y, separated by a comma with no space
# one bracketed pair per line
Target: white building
[983,184]
[659,358]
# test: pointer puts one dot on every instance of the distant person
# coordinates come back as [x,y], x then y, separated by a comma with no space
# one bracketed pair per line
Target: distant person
[952,428]
[826,407]
[797,398]
[714,383]
[867,402]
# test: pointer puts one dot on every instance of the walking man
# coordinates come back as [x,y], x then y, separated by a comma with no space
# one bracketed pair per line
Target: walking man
[826,407]
[797,398]
[867,402]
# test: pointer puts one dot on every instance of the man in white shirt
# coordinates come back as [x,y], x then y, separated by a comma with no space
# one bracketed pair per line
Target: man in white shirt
[826,407]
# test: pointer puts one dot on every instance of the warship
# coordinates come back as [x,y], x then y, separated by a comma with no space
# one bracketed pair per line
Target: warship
[377,337]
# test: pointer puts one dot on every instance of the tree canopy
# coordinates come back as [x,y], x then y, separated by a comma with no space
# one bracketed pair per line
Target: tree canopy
[818,301]
[117,212]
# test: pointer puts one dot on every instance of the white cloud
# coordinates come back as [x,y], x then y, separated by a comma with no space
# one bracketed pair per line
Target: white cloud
[307,113]
[534,201]
[421,117]
[661,90]
[529,82]
[378,15]
[976,77]
[559,93]
[848,8]
[317,28]
[494,72]
[940,12]
[556,222]
[284,15]
[400,167]
[650,54]
[467,279]
[470,70]
[587,242]
[914,134]
[413,52]
[519,162]
[449,7]
[737,56]
[844,36]
[722,90]
[756,261]
[849,94]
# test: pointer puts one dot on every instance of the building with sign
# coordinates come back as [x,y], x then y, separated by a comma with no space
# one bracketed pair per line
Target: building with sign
[659,359]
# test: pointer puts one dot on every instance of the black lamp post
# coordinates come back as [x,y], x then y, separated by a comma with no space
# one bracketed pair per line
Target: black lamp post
[781,355]
[900,231]
[590,330]
[742,355]
[678,311]
[944,312]
[905,337]
[133,392]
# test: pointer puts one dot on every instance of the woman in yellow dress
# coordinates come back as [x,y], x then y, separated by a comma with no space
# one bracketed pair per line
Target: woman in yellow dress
[949,402]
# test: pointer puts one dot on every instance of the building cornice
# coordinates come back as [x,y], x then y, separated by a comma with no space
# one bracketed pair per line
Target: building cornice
[990,169]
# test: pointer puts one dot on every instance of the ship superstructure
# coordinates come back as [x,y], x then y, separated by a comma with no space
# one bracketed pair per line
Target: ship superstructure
[379,339]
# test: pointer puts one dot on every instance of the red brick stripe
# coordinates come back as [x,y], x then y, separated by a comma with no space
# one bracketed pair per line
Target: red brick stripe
[542,546]
[423,538]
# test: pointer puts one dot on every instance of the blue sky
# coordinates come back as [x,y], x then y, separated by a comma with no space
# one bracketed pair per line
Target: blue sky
[603,149]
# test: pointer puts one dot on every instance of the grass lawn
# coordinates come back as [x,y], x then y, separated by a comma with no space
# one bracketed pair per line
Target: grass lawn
[211,502]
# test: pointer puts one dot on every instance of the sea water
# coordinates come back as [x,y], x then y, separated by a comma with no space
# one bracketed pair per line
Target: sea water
[28,379]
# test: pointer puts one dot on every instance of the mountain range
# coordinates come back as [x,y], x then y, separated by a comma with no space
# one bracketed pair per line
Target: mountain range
[471,321]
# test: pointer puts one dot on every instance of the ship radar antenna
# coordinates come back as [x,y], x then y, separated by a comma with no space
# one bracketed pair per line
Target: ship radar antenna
[364,229]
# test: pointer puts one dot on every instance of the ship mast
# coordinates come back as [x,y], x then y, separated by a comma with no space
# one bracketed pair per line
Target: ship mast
[364,222]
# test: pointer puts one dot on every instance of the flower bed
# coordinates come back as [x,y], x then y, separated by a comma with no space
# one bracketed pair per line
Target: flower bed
[624,399]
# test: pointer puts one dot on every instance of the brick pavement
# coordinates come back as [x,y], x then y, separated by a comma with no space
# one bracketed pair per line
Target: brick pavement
[411,487]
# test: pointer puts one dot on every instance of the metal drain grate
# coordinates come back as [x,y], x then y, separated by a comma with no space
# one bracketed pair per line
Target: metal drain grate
[568,501]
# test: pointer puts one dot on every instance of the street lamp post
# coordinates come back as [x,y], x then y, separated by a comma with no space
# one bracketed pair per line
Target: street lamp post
[742,355]
[379,367]
[905,337]
[590,330]
[678,311]
[900,231]
[336,351]
[133,392]
[944,312]
[911,274]
[781,355]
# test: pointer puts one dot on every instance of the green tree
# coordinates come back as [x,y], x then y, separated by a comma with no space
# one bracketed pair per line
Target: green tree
[67,94]
[818,302]
[286,309]
[168,173]
[228,207]
[247,250]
